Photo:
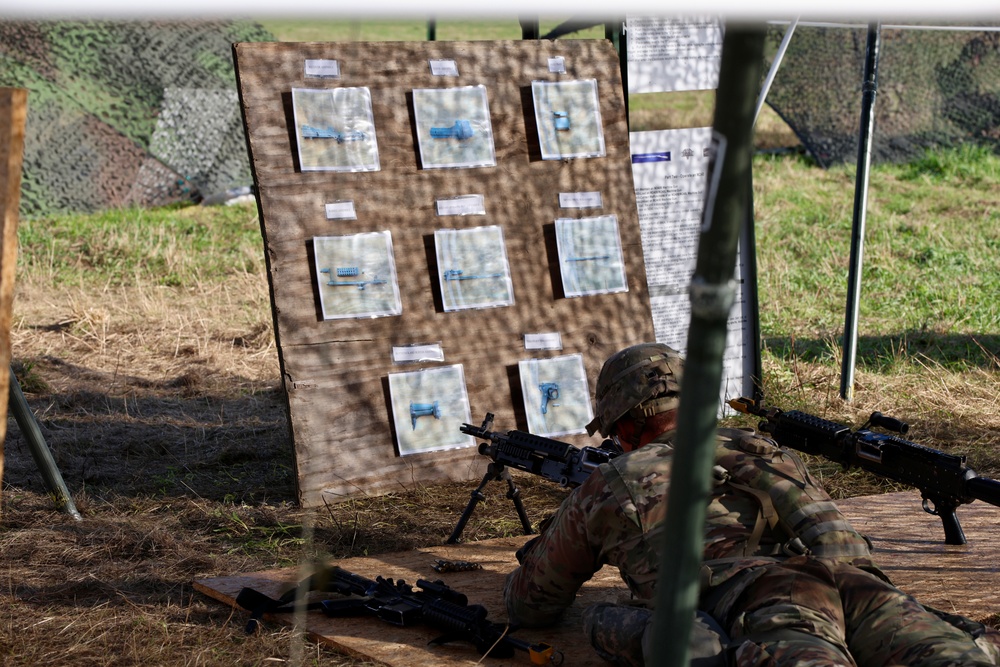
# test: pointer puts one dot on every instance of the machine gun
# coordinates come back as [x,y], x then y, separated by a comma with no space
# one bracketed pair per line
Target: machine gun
[396,602]
[944,480]
[556,461]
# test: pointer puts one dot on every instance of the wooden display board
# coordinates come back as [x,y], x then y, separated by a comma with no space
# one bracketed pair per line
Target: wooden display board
[13,115]
[336,371]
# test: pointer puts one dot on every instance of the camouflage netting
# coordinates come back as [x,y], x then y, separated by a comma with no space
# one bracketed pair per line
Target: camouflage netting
[936,88]
[127,113]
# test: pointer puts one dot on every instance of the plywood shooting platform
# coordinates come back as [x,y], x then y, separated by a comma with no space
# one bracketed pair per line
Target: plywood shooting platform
[909,545]
[335,370]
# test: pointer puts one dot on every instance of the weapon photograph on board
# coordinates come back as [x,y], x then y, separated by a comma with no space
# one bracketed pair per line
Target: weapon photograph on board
[945,480]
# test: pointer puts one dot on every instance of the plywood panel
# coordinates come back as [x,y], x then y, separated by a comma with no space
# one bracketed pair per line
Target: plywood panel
[335,371]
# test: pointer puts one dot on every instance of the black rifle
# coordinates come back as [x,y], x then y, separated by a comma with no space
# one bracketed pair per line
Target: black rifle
[944,480]
[556,461]
[396,602]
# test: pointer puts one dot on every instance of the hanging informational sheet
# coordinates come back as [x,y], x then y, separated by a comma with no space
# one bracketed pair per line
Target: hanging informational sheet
[356,275]
[474,272]
[556,395]
[670,169]
[667,54]
[568,116]
[429,407]
[453,127]
[590,256]
[334,129]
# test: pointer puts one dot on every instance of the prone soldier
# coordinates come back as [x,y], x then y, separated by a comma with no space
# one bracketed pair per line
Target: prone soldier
[786,578]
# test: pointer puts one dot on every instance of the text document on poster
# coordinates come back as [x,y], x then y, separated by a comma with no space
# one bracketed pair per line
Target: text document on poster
[670,169]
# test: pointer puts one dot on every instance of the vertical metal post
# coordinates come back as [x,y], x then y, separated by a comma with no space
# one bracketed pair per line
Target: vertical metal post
[713,293]
[615,32]
[530,28]
[432,30]
[860,205]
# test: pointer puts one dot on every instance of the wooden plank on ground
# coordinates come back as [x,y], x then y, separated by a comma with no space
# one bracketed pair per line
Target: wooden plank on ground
[13,115]
[335,371]
[909,545]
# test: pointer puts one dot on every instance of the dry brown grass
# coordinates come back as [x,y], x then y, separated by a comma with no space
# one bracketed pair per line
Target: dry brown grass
[162,408]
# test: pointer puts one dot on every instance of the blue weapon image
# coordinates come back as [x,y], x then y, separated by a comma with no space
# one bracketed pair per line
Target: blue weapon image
[418,410]
[588,259]
[561,120]
[550,392]
[310,132]
[462,129]
[351,271]
[457,274]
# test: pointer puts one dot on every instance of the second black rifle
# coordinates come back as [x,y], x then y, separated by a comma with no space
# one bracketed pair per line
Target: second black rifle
[431,603]
[944,480]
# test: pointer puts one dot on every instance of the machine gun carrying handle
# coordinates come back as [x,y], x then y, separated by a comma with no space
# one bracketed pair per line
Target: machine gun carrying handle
[888,423]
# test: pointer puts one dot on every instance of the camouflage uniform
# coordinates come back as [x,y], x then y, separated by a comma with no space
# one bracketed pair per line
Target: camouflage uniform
[787,577]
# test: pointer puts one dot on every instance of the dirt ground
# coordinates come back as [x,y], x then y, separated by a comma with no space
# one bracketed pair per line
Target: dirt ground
[163,412]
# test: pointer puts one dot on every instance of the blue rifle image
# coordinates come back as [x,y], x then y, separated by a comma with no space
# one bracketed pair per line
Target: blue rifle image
[350,272]
[458,274]
[550,392]
[462,129]
[592,258]
[310,132]
[433,603]
[418,410]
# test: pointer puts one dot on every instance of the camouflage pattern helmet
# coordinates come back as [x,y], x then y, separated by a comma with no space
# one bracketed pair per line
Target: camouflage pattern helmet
[641,381]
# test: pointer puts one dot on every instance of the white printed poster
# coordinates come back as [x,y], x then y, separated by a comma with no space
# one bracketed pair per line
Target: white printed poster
[667,54]
[670,170]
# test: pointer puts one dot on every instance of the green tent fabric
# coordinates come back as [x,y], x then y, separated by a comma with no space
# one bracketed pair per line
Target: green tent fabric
[127,113]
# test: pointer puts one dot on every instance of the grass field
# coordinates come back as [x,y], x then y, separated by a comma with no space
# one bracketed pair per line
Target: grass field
[143,341]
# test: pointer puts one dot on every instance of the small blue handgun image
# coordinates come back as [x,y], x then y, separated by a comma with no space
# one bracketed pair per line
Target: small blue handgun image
[462,129]
[561,120]
[550,392]
[418,410]
[351,272]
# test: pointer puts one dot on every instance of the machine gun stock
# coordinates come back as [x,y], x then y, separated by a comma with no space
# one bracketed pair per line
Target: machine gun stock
[944,480]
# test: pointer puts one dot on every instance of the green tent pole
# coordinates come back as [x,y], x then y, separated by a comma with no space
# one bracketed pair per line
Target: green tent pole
[869,91]
[713,291]
[39,450]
